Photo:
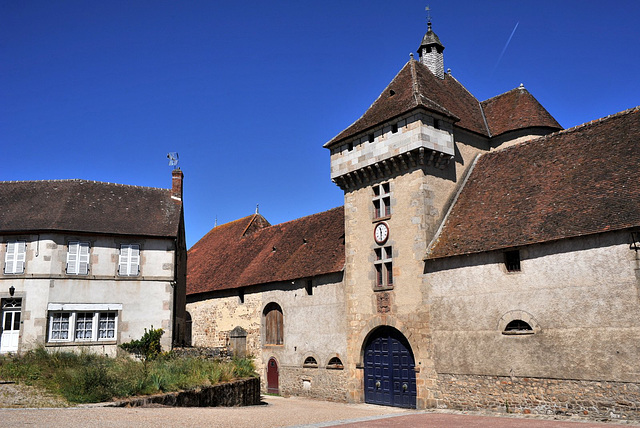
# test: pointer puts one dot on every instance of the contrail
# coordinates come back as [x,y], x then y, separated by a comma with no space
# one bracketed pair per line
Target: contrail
[506,46]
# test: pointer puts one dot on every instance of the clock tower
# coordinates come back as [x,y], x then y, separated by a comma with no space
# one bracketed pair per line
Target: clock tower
[399,166]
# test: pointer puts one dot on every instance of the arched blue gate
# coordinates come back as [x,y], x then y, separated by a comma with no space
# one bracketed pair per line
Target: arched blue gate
[389,369]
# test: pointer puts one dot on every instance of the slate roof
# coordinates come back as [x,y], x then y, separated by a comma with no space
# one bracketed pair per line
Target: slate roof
[514,110]
[249,251]
[577,182]
[87,207]
[415,86]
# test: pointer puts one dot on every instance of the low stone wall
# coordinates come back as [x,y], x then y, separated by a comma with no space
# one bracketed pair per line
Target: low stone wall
[589,399]
[323,383]
[244,392]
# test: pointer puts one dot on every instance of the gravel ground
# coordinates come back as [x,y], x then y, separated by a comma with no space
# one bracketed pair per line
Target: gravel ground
[14,395]
[276,412]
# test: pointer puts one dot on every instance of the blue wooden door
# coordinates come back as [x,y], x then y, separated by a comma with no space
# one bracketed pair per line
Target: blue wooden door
[389,370]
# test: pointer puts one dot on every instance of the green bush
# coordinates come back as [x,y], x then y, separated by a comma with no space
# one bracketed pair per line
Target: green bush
[148,346]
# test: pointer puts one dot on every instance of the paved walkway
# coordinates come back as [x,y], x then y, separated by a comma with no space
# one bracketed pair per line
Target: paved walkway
[278,412]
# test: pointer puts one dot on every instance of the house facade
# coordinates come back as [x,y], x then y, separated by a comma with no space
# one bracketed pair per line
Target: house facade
[90,265]
[490,257]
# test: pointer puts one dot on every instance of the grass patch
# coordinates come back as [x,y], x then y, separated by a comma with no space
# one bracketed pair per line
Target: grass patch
[91,378]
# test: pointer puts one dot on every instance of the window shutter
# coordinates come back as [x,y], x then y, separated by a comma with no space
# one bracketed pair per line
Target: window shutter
[135,260]
[72,258]
[124,260]
[129,264]
[20,256]
[15,257]
[83,258]
[10,257]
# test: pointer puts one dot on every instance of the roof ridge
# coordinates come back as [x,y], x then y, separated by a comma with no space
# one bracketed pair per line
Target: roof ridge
[63,180]
[301,218]
[333,140]
[506,92]
[572,129]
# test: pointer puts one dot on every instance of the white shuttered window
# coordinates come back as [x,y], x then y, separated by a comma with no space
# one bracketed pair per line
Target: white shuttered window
[129,263]
[78,258]
[15,257]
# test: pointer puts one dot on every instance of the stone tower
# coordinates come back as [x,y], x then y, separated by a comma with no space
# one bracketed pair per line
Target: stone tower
[430,52]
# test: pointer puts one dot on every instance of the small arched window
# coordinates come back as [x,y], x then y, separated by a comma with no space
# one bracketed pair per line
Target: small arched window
[518,327]
[273,324]
[310,362]
[335,363]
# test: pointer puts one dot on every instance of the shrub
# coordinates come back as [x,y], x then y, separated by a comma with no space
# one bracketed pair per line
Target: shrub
[148,346]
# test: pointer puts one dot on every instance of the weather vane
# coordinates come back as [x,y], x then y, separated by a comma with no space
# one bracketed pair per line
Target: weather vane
[173,159]
[428,9]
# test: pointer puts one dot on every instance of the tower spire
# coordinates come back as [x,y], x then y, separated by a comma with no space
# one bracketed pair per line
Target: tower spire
[430,50]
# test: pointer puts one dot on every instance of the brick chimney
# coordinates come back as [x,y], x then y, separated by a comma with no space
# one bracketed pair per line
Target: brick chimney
[176,184]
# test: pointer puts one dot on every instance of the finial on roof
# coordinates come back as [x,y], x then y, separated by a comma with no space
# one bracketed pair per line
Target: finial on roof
[428,9]
[257,205]
[411,55]
[521,86]
[448,71]
[215,222]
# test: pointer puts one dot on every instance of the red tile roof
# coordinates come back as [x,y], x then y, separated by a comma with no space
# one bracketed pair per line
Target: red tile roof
[228,257]
[514,110]
[413,87]
[581,181]
[89,207]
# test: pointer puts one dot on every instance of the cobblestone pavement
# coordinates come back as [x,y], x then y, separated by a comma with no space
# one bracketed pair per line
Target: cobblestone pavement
[278,412]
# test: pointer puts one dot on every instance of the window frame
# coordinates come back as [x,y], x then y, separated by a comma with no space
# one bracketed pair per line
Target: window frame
[381,201]
[101,318]
[127,260]
[14,258]
[80,259]
[383,267]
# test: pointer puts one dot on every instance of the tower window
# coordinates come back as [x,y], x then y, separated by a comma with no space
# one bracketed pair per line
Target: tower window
[512,261]
[371,138]
[384,267]
[381,201]
[309,287]
[394,128]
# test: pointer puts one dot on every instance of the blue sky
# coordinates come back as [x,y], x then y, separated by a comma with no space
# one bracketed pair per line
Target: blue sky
[248,92]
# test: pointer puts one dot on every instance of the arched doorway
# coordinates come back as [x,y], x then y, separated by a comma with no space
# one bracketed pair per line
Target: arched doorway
[273,386]
[389,369]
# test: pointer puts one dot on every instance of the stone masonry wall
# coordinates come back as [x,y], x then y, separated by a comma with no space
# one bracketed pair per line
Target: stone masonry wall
[588,399]
[326,384]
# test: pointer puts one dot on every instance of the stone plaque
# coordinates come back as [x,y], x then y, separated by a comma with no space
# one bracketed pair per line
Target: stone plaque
[383,301]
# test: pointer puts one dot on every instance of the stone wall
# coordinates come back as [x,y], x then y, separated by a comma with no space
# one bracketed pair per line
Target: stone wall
[244,392]
[323,383]
[588,399]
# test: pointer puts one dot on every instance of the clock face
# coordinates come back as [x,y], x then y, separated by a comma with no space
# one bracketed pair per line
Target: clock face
[381,233]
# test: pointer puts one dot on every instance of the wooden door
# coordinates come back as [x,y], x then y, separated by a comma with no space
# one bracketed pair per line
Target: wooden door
[389,370]
[273,386]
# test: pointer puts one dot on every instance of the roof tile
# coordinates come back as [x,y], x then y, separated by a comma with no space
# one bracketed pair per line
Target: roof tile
[580,181]
[228,258]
